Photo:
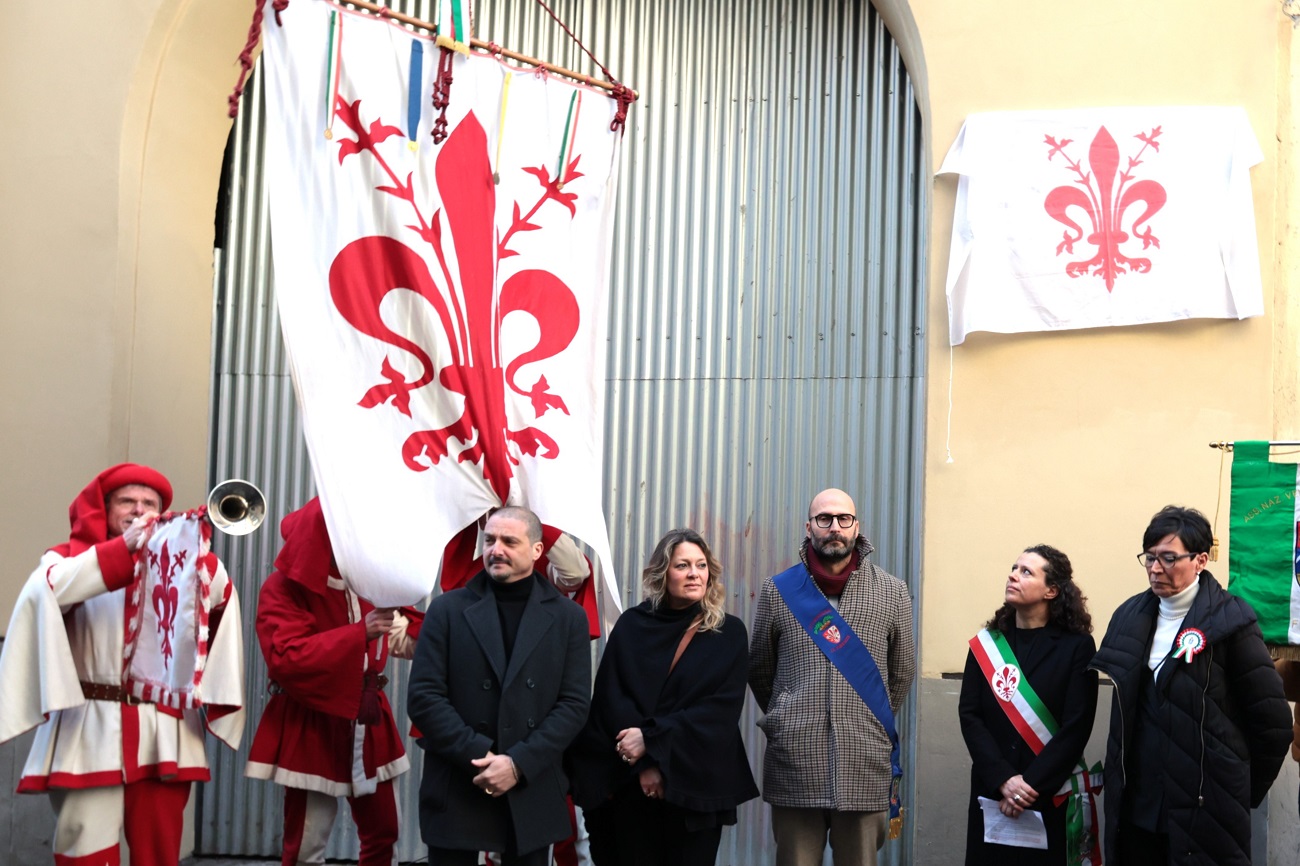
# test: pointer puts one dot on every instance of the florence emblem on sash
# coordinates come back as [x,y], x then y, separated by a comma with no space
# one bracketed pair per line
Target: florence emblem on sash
[826,628]
[1006,682]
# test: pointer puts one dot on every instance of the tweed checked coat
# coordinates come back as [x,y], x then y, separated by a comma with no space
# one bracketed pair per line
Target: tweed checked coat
[825,749]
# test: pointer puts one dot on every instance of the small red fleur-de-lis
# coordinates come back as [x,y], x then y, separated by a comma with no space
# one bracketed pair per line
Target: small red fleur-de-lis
[166,596]
[1005,682]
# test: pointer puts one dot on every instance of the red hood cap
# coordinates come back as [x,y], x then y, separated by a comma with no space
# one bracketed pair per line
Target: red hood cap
[87,514]
[306,556]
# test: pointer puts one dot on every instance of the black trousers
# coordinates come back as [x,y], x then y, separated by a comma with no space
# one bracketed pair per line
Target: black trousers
[633,830]
[1137,847]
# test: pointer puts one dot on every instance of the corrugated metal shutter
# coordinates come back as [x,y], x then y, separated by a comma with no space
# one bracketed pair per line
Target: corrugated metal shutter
[766,333]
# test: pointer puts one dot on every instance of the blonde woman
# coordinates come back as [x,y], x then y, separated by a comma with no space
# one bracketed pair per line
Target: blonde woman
[660,767]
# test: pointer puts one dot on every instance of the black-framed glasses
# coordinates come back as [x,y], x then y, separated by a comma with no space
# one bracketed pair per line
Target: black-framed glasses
[825,520]
[1167,559]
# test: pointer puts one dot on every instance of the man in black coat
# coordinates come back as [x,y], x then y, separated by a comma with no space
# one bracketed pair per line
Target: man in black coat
[1199,725]
[500,685]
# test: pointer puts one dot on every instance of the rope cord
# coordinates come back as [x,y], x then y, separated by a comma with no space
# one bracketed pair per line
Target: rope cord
[246,56]
[622,94]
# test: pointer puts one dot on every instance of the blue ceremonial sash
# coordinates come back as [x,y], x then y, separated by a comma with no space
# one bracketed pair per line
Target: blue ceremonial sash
[851,658]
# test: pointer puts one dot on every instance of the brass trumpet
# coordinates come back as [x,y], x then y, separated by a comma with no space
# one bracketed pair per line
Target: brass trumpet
[236,507]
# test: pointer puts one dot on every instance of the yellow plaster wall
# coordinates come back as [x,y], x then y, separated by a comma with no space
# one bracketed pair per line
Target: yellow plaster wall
[1286,250]
[1076,438]
[108,174]
[116,124]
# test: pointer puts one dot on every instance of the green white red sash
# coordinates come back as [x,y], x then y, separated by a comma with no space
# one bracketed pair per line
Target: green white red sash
[1036,725]
[1082,839]
[1015,695]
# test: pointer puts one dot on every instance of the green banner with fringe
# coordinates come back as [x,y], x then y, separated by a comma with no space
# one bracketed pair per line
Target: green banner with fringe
[1263,558]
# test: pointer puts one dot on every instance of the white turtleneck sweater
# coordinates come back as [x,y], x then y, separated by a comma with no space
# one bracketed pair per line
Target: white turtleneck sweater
[1173,611]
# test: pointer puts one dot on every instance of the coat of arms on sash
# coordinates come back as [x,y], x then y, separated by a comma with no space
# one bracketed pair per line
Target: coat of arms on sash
[1006,682]
[827,629]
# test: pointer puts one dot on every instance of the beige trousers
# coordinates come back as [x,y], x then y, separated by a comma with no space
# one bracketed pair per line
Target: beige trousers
[801,836]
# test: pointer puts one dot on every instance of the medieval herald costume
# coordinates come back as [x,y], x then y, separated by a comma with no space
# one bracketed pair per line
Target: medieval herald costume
[328,727]
[63,668]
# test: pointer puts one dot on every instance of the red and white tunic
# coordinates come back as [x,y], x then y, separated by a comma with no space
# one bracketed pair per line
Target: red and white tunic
[95,743]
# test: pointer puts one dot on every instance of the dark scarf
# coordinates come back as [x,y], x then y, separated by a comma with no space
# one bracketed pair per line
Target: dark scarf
[831,584]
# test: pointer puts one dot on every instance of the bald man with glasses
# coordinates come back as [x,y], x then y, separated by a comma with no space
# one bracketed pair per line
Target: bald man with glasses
[831,659]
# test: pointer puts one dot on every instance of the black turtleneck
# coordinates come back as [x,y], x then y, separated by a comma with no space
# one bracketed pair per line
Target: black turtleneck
[511,598]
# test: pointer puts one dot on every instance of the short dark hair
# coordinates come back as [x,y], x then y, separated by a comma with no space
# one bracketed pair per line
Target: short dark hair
[524,516]
[1190,525]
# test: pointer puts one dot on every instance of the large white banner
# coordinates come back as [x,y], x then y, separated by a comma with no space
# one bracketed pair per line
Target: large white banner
[1093,217]
[443,305]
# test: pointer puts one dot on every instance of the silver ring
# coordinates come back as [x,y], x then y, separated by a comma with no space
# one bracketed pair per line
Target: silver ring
[1016,797]
[488,790]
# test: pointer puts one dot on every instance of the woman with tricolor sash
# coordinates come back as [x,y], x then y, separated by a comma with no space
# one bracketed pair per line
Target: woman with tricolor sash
[1027,706]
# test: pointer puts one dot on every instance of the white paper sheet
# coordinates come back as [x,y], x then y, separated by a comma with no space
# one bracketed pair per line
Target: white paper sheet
[1027,831]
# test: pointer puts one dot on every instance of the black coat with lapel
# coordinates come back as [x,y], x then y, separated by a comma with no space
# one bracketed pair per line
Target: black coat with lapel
[1057,668]
[465,699]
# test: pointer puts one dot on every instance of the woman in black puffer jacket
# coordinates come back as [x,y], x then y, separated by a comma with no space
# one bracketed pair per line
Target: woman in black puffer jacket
[1199,725]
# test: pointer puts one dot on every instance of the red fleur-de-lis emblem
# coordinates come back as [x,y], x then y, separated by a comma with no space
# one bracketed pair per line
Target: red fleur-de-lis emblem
[468,308]
[166,596]
[1006,682]
[1105,194]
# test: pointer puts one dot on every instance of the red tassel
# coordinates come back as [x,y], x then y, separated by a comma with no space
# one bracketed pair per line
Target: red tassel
[625,97]
[442,95]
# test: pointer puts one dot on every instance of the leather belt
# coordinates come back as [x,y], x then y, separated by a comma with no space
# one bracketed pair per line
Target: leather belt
[105,692]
